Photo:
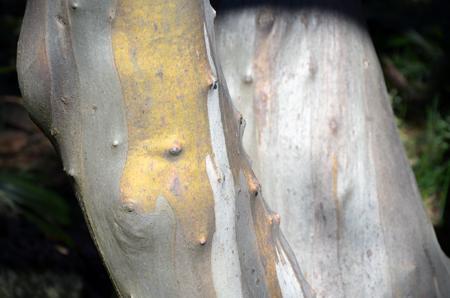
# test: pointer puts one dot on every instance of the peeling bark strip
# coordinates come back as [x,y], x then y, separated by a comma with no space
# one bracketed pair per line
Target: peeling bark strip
[324,144]
[130,93]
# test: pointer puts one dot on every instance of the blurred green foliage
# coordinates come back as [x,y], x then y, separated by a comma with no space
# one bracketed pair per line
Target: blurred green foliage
[432,168]
[23,195]
[411,38]
[427,148]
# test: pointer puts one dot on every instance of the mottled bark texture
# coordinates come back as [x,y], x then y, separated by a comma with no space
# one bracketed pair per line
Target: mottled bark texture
[132,96]
[323,142]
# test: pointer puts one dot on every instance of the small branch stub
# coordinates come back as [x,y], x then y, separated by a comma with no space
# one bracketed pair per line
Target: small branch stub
[248,78]
[202,240]
[266,19]
[274,219]
[215,85]
[176,149]
[253,185]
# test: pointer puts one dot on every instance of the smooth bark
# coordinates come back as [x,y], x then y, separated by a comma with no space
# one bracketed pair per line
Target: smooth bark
[323,142]
[131,93]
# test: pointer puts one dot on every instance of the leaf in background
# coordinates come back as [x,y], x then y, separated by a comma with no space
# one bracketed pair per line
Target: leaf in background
[432,168]
[43,207]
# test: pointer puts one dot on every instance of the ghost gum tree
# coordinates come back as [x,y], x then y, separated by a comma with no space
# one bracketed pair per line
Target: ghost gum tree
[132,94]
[322,138]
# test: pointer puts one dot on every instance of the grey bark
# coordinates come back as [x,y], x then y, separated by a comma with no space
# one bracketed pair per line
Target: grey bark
[323,142]
[322,139]
[72,88]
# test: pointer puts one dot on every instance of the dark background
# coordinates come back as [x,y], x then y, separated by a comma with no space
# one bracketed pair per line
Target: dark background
[45,248]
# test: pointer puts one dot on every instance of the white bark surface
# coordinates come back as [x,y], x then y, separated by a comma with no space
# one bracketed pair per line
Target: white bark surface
[323,143]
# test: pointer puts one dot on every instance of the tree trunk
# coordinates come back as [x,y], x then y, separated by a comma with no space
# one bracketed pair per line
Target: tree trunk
[323,142]
[131,94]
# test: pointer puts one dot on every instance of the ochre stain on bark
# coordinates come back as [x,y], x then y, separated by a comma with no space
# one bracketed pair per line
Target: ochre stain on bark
[262,67]
[160,54]
[334,174]
[263,91]
[264,224]
[335,197]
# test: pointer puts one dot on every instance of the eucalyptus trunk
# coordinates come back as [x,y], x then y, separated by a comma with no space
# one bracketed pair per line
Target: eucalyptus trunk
[322,139]
[132,95]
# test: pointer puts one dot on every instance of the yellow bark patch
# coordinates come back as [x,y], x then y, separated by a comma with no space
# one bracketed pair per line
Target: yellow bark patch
[160,55]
